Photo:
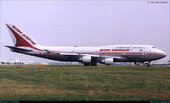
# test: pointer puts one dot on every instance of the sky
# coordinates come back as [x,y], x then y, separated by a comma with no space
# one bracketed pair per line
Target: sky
[86,23]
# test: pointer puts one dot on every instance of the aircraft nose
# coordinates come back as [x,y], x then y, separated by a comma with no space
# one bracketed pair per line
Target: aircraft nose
[163,54]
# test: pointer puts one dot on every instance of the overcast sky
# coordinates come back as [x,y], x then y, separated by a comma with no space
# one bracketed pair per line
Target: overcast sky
[86,23]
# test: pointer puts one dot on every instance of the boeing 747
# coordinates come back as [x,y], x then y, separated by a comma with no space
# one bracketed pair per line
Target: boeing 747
[87,55]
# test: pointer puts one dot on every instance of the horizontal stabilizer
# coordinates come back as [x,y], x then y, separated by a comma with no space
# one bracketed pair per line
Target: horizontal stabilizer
[13,48]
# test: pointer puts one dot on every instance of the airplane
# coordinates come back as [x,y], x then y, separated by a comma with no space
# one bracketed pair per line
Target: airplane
[89,56]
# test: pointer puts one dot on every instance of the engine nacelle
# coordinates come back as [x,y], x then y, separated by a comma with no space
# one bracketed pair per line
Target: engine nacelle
[107,61]
[85,59]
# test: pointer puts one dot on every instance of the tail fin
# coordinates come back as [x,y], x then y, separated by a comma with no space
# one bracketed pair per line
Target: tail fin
[19,38]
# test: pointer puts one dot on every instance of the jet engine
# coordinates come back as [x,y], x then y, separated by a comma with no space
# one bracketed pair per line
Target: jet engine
[107,61]
[85,59]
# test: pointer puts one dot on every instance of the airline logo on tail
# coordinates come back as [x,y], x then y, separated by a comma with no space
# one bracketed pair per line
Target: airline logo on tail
[19,38]
[24,35]
[28,38]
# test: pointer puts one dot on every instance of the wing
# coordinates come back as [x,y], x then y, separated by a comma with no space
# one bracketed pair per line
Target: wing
[88,58]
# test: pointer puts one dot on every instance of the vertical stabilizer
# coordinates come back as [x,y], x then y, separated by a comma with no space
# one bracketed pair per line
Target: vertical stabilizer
[19,38]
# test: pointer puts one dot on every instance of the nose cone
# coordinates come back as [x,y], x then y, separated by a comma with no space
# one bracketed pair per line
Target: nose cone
[163,54]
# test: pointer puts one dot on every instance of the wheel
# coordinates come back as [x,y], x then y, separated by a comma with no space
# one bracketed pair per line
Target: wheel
[148,64]
[86,64]
[93,64]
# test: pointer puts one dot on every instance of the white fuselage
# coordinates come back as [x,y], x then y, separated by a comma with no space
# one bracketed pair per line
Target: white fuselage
[127,53]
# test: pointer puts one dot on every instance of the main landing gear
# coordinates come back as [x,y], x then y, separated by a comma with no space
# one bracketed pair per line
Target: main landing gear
[90,64]
[145,63]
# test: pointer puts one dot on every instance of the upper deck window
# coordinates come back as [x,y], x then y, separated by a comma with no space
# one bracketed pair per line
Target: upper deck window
[123,47]
[138,47]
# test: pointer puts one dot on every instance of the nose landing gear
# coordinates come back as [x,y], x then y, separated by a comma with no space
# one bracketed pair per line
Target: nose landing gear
[148,64]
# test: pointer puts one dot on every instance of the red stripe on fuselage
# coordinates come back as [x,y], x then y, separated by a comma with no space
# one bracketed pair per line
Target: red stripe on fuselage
[131,53]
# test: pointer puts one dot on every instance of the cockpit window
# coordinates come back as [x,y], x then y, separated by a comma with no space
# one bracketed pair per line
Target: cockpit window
[153,47]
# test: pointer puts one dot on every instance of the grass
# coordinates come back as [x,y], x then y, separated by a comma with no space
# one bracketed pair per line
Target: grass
[79,83]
